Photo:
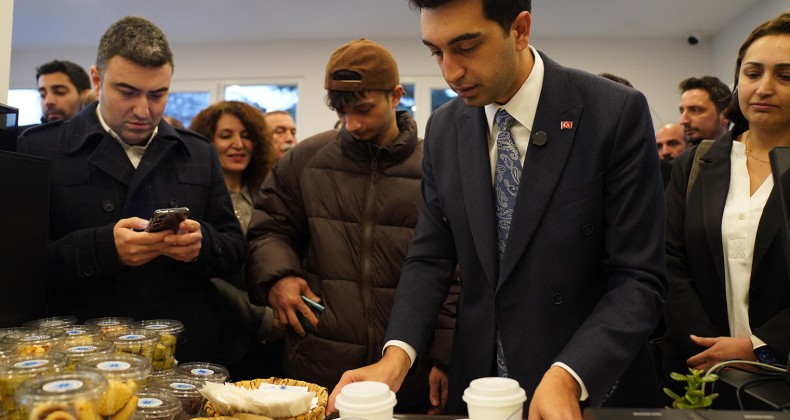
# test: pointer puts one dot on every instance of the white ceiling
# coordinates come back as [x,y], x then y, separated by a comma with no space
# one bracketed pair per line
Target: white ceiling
[80,23]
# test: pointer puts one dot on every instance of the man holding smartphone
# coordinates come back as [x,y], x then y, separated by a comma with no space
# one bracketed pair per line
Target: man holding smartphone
[113,165]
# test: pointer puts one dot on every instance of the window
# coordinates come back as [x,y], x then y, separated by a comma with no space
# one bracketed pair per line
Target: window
[407,100]
[441,96]
[183,106]
[267,97]
[28,101]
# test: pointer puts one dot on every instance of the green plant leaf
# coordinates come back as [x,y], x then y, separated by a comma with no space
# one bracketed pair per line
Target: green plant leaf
[671,394]
[678,377]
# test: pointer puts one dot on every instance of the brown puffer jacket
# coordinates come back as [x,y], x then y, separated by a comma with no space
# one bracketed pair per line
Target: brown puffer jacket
[340,214]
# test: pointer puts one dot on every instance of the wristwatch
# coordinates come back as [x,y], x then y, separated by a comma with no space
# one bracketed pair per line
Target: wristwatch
[765,355]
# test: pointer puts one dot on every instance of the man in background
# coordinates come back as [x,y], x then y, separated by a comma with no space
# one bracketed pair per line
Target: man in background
[64,87]
[283,130]
[702,105]
[670,141]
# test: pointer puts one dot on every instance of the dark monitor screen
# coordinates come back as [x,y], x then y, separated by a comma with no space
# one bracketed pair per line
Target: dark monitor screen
[9,125]
[780,168]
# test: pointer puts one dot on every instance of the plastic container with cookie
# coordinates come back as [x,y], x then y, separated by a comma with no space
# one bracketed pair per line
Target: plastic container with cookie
[187,390]
[158,405]
[126,374]
[31,342]
[111,324]
[18,369]
[77,352]
[51,322]
[79,334]
[135,341]
[163,357]
[204,371]
[61,396]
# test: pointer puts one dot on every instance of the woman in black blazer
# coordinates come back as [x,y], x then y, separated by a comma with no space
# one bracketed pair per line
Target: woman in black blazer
[729,294]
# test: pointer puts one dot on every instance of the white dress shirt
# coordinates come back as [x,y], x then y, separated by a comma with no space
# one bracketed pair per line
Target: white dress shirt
[135,153]
[522,107]
[742,213]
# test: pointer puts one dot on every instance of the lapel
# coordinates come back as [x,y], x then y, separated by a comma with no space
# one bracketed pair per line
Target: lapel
[158,148]
[768,228]
[543,166]
[714,182]
[85,132]
[478,192]
[110,158]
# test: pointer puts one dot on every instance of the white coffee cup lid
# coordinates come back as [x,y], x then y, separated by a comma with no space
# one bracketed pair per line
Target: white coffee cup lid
[494,392]
[365,397]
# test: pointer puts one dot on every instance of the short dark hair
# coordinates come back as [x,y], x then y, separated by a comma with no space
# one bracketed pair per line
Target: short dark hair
[617,79]
[719,92]
[136,39]
[779,25]
[77,75]
[503,12]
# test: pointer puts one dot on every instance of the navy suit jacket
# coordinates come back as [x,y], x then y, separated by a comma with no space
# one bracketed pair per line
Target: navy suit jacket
[583,277]
[697,302]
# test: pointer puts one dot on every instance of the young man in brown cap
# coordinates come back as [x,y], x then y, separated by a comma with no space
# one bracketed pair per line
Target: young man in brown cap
[333,224]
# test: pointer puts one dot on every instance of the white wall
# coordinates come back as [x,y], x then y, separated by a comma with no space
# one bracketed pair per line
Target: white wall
[654,65]
[6,23]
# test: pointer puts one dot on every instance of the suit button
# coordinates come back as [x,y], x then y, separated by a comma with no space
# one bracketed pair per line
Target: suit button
[557,299]
[108,206]
[587,229]
[87,271]
[173,202]
[218,249]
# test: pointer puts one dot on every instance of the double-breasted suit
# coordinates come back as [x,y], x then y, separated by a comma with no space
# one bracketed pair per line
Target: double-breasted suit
[582,280]
[697,302]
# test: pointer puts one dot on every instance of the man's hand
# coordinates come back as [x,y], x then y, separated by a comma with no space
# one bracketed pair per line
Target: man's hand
[185,244]
[137,248]
[391,370]
[556,397]
[720,349]
[438,381]
[285,298]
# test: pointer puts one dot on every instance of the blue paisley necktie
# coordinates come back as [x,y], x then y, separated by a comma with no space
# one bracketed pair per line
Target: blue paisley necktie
[507,176]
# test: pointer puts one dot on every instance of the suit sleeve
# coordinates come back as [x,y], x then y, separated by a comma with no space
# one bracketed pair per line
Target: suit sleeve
[633,262]
[428,269]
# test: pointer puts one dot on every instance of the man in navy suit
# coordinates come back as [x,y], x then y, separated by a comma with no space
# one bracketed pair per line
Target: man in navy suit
[565,302]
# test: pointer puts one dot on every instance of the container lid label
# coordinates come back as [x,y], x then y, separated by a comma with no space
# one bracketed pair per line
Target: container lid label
[114,365]
[181,385]
[108,322]
[62,386]
[202,372]
[31,363]
[35,338]
[131,337]
[149,402]
[76,332]
[82,349]
[156,326]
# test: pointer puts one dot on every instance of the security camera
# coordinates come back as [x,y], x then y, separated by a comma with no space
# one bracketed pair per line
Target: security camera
[693,38]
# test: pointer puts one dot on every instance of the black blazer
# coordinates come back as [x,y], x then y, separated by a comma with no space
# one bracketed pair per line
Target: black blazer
[583,278]
[695,263]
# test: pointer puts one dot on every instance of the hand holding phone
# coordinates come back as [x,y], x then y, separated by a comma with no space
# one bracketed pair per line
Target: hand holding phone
[167,219]
[314,306]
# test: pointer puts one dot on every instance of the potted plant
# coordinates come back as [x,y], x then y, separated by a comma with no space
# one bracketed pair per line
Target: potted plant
[695,397]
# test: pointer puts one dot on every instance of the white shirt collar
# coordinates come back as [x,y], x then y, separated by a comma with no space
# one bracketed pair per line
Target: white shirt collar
[524,104]
[135,153]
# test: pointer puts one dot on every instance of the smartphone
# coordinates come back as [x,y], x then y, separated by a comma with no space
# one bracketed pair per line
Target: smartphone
[314,306]
[167,219]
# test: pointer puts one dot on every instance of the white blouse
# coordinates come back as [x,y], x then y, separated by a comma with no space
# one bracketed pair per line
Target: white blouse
[739,224]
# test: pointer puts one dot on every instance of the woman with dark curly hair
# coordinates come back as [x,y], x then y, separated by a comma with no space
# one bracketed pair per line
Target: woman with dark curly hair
[246,151]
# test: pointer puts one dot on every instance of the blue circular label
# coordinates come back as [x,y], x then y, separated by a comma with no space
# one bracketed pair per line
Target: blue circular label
[130,337]
[202,372]
[31,363]
[82,349]
[181,386]
[149,402]
[75,332]
[114,365]
[62,386]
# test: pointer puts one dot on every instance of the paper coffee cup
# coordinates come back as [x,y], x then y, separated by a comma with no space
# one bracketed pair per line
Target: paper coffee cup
[495,399]
[367,400]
